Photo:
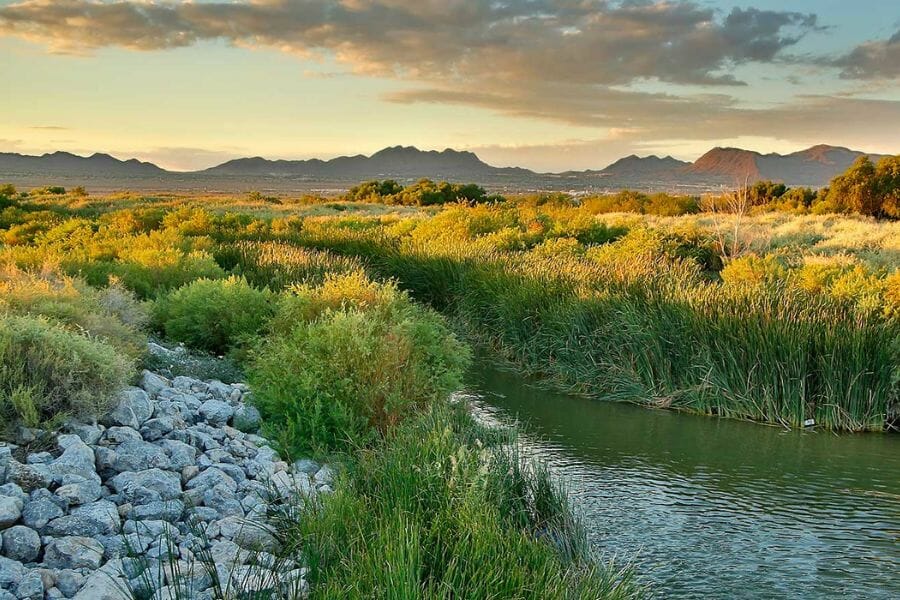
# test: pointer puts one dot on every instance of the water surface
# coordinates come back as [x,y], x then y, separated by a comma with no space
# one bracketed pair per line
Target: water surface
[712,508]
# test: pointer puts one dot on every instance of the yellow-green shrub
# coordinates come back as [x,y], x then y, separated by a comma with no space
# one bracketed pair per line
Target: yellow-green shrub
[111,314]
[48,372]
[353,366]
[214,314]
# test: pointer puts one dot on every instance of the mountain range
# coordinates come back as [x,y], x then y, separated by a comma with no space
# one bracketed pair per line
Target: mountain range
[814,167]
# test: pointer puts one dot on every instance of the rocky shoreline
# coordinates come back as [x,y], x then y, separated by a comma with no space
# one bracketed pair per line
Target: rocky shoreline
[165,497]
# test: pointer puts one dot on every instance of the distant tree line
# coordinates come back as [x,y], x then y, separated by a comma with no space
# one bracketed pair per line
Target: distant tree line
[865,188]
[424,192]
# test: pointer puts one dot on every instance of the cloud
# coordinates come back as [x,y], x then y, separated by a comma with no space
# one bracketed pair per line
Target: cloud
[49,128]
[570,61]
[871,60]
[587,42]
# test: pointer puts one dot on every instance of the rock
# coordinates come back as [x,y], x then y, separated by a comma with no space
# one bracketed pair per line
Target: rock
[190,578]
[38,512]
[223,500]
[216,412]
[133,409]
[181,455]
[69,582]
[73,552]
[152,383]
[158,428]
[249,535]
[117,435]
[104,584]
[167,510]
[89,434]
[77,459]
[28,477]
[39,458]
[146,486]
[95,519]
[81,492]
[183,383]
[21,543]
[134,455]
[189,472]
[211,477]
[30,587]
[325,476]
[13,491]
[10,511]
[310,467]
[247,418]
[11,571]
[5,457]
[219,390]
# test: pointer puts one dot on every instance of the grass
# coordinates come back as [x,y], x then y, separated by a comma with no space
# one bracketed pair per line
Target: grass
[439,509]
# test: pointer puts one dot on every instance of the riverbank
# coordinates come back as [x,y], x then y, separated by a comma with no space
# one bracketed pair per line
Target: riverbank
[348,369]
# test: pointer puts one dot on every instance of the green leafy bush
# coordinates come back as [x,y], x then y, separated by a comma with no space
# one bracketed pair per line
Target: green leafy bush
[110,314]
[48,372]
[341,376]
[214,314]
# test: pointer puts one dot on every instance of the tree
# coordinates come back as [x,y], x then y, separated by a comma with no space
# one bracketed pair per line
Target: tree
[854,190]
[764,192]
[887,185]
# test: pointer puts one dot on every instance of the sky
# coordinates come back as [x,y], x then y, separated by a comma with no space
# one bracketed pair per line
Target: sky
[551,85]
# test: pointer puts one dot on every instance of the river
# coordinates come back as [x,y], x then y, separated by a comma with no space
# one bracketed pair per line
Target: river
[713,508]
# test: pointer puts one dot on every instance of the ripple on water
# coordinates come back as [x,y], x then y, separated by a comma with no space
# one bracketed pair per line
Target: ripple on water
[713,509]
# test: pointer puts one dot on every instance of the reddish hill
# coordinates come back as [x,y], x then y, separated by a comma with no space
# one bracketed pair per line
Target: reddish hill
[731,163]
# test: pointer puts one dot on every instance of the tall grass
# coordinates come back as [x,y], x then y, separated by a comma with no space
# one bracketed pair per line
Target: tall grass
[435,512]
[638,319]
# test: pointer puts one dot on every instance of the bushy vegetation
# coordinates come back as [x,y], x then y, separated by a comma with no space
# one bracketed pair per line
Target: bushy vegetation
[48,373]
[558,287]
[214,314]
[637,202]
[424,192]
[350,360]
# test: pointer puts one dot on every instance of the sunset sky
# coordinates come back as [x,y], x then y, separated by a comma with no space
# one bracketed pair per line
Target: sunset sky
[545,84]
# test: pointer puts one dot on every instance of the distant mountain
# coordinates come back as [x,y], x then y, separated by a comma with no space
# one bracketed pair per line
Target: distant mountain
[396,161]
[634,166]
[65,163]
[815,166]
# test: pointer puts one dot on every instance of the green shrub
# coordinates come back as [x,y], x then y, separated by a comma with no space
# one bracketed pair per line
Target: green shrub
[48,372]
[111,314]
[214,314]
[345,375]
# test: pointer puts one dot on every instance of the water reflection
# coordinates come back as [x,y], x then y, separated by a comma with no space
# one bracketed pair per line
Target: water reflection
[713,508]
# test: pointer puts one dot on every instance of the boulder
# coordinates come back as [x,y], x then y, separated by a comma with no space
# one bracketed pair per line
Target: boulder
[10,511]
[135,455]
[80,492]
[73,552]
[247,418]
[134,407]
[216,412]
[153,384]
[94,519]
[21,543]
[148,485]
[40,511]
